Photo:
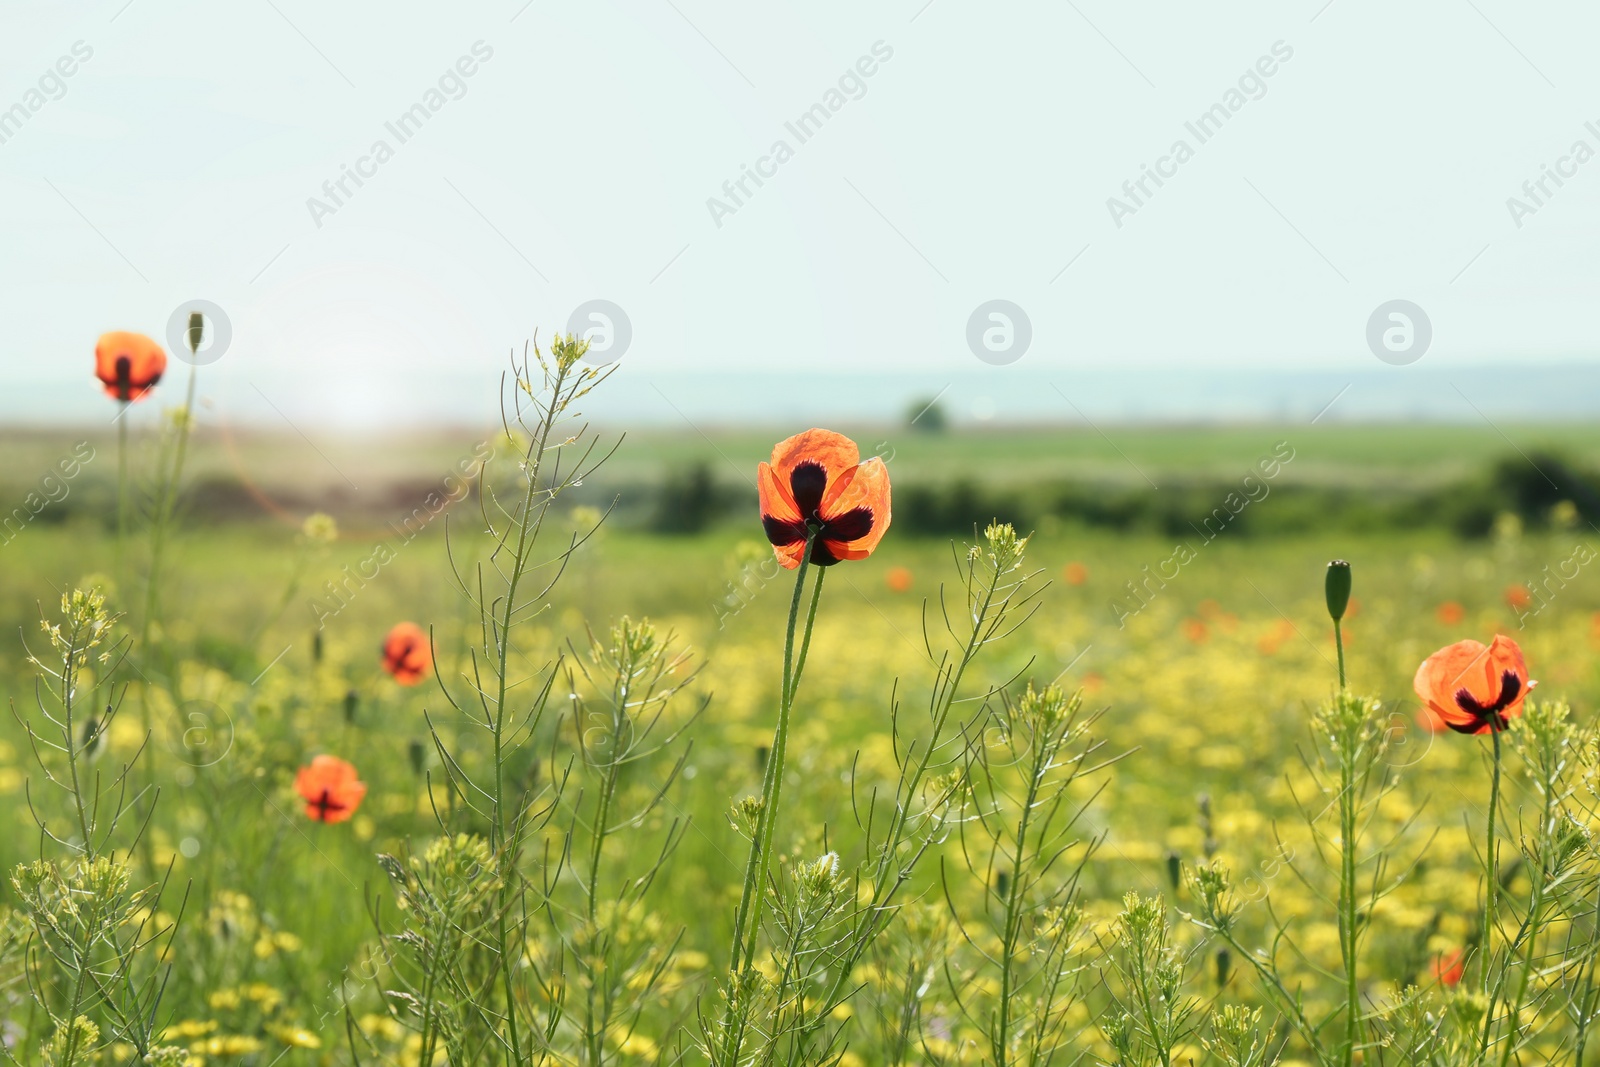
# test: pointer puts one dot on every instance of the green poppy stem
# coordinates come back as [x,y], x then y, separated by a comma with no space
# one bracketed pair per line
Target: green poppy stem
[758,867]
[122,487]
[1338,644]
[1491,866]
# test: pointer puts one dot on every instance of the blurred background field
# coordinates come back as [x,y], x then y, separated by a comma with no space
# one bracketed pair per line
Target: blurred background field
[1207,677]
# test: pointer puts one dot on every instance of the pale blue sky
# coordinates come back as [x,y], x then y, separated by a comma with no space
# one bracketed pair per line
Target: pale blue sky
[974,163]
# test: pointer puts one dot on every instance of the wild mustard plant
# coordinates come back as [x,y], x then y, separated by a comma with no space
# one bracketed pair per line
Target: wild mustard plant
[619,955]
[1152,1019]
[514,1007]
[1020,847]
[91,959]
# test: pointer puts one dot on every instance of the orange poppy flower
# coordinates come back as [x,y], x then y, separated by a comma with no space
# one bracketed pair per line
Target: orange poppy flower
[817,484]
[1195,630]
[1448,967]
[406,653]
[1474,688]
[128,364]
[1431,721]
[330,788]
[1450,613]
[1075,573]
[898,580]
[1518,597]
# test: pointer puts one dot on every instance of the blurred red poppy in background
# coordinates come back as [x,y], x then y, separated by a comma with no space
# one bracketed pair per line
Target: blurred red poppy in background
[406,654]
[128,364]
[1474,688]
[1450,613]
[1075,573]
[898,580]
[1448,967]
[816,485]
[330,788]
[1518,597]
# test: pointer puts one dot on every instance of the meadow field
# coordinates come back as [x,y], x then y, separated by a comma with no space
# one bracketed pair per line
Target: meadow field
[1156,706]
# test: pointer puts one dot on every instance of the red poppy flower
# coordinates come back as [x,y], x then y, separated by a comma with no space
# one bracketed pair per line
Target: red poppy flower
[1518,597]
[817,483]
[1450,613]
[898,580]
[330,788]
[128,364]
[1448,967]
[1075,573]
[1474,688]
[406,653]
[1196,630]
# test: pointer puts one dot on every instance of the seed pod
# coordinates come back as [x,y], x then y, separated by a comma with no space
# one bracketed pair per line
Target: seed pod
[1337,588]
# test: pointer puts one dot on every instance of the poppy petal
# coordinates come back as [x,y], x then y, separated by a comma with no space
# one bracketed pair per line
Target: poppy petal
[833,452]
[1443,674]
[1505,655]
[864,489]
[1472,687]
[776,500]
[128,364]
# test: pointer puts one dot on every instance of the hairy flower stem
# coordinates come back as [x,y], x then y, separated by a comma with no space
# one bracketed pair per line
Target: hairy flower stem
[1338,644]
[1347,892]
[122,488]
[747,921]
[1491,870]
[165,506]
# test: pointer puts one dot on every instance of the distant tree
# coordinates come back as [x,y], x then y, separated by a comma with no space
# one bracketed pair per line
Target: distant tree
[926,416]
[688,501]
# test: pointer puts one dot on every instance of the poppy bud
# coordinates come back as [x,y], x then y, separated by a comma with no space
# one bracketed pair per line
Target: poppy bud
[1174,868]
[197,329]
[1002,882]
[416,752]
[350,698]
[1337,588]
[1224,965]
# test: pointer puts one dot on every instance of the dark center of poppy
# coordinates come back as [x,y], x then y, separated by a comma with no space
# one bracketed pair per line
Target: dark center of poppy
[1491,715]
[325,803]
[807,482]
